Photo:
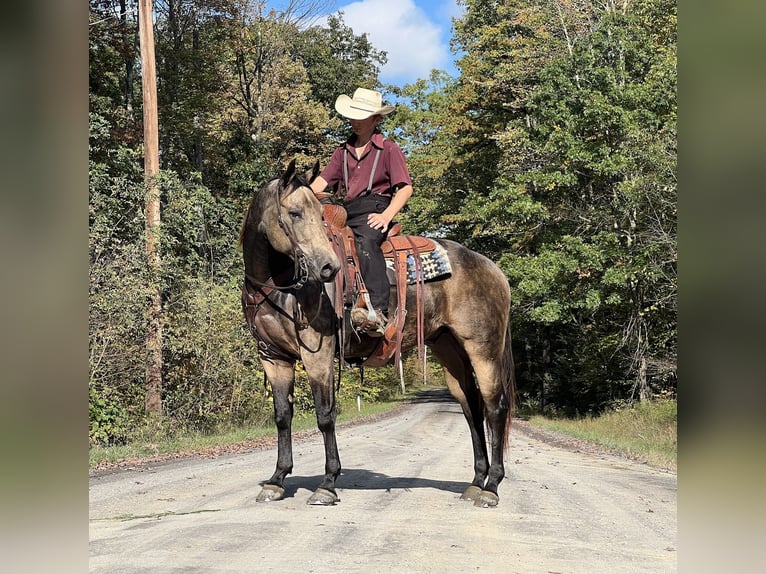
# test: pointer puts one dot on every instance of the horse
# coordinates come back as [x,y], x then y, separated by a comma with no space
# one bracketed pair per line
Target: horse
[465,322]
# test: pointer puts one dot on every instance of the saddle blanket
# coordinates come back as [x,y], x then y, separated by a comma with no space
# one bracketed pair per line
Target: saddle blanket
[435,264]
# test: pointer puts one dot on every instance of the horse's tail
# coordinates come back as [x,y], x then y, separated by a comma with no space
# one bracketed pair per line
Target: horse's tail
[508,378]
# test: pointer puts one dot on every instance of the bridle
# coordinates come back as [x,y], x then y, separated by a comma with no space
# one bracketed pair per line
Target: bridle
[301,272]
[252,301]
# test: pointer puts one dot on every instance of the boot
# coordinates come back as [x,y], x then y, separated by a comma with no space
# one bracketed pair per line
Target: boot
[360,319]
[379,328]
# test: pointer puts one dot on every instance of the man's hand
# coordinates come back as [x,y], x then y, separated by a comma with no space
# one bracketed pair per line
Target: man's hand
[378,221]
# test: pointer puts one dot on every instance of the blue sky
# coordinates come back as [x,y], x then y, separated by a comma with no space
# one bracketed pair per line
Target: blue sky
[414,33]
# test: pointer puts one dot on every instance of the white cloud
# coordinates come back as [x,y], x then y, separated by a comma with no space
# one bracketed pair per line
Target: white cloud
[414,43]
[449,9]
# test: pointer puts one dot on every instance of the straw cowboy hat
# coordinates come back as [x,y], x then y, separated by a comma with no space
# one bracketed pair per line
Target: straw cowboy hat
[364,104]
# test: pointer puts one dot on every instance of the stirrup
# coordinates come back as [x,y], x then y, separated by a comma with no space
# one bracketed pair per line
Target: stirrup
[368,321]
[379,328]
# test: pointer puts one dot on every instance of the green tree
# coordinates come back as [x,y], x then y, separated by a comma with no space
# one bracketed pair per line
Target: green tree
[554,153]
[337,61]
[192,75]
[117,286]
[597,273]
[421,128]
[503,45]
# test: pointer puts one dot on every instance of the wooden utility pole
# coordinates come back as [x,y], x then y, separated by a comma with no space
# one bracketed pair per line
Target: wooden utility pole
[153,401]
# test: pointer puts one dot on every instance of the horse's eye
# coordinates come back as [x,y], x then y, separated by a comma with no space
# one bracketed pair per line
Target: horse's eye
[295,214]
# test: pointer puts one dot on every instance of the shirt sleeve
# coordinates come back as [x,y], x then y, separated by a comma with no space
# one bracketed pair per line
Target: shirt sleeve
[333,172]
[398,173]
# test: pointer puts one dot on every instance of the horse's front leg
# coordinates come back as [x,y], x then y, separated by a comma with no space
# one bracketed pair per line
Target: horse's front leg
[319,368]
[281,375]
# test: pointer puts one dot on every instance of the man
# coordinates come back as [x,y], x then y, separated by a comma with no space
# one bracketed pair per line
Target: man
[376,184]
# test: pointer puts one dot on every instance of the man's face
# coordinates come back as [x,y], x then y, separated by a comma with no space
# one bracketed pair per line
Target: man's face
[365,126]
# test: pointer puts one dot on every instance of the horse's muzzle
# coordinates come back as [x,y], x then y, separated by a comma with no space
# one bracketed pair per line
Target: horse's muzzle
[328,271]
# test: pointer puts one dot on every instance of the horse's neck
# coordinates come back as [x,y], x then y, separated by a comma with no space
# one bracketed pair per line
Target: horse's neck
[265,263]
[257,264]
[254,243]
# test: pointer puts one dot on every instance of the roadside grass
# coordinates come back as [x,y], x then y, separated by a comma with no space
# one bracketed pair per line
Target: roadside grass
[158,440]
[645,432]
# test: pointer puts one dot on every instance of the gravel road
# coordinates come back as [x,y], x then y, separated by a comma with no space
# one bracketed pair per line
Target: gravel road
[562,510]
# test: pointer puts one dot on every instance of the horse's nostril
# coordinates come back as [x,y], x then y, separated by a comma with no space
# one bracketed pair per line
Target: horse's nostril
[328,271]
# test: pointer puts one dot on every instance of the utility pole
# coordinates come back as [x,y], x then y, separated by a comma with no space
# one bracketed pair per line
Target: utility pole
[153,400]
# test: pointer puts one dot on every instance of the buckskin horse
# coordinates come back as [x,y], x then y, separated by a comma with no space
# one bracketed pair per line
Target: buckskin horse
[290,300]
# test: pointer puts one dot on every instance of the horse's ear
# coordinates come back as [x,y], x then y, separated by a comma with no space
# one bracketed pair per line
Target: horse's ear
[288,175]
[312,174]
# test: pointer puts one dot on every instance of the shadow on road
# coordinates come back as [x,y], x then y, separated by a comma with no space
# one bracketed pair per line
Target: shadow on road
[432,396]
[362,479]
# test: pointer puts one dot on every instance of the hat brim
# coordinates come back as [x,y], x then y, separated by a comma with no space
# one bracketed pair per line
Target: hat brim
[352,110]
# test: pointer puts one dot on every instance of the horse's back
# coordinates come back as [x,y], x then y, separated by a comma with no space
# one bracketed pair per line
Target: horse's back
[473,302]
[475,274]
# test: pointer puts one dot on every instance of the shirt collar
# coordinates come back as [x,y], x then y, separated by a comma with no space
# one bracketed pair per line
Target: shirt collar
[377,140]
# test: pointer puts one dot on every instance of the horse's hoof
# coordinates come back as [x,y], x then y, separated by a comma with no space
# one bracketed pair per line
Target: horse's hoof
[486,499]
[471,493]
[323,497]
[270,492]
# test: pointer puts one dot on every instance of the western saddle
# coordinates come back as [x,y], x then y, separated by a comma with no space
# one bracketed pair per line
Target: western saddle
[351,292]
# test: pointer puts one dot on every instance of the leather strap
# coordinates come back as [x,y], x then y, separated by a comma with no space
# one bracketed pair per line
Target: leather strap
[390,345]
[419,280]
[268,350]
[396,242]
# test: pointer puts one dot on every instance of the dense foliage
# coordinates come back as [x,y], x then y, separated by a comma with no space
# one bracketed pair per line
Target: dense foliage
[553,152]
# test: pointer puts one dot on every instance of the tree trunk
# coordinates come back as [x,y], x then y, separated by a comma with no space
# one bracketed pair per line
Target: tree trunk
[643,387]
[545,366]
[153,399]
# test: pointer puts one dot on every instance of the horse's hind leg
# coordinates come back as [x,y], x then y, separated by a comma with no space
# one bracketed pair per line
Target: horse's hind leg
[460,381]
[494,391]
[281,375]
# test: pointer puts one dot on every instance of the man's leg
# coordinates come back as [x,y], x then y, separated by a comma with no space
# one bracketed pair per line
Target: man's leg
[372,263]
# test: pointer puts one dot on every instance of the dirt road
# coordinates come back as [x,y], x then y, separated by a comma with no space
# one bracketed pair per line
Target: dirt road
[560,511]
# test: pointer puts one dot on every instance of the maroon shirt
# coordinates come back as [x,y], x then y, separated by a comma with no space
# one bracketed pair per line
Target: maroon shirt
[390,173]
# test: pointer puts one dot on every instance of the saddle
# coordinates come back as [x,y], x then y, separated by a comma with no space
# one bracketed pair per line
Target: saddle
[351,291]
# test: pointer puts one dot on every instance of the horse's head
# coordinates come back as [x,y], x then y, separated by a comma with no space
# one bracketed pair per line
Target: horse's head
[292,223]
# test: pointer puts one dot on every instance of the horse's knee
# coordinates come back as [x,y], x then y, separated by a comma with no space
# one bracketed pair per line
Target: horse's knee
[496,416]
[326,420]
[283,417]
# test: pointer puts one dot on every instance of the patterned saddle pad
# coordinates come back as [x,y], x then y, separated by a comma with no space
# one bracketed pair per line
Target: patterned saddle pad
[435,264]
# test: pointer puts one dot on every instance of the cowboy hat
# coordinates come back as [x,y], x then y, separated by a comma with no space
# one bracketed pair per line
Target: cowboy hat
[364,104]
